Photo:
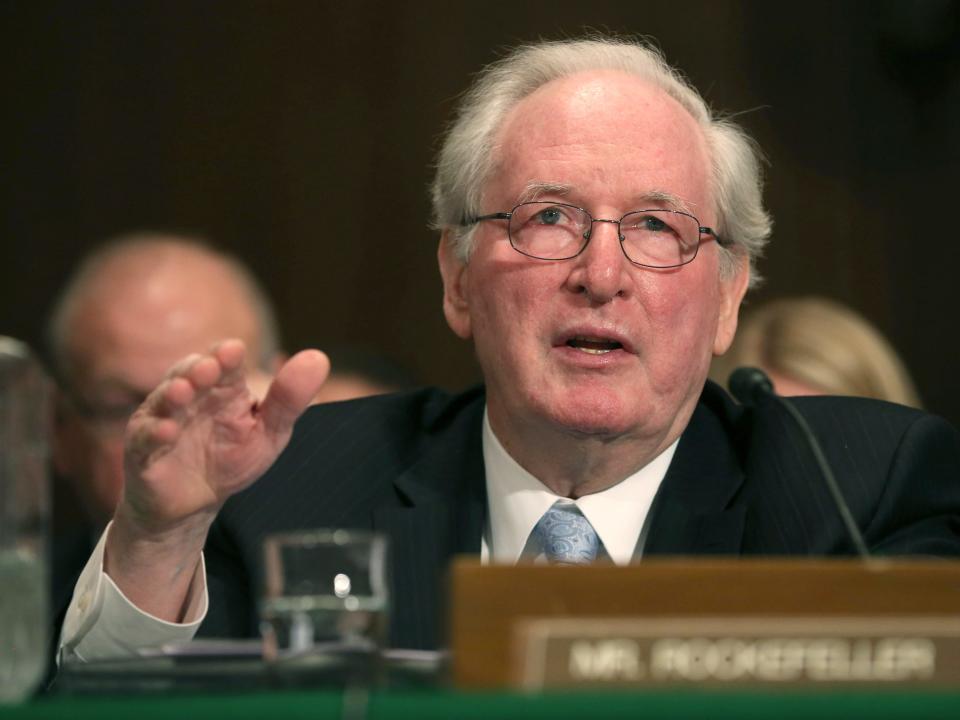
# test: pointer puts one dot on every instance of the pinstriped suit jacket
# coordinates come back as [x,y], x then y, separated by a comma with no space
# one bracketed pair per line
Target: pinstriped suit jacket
[742,482]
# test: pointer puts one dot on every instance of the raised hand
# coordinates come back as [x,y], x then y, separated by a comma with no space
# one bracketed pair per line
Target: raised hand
[200,437]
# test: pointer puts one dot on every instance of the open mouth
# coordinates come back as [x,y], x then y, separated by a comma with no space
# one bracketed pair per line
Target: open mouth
[594,346]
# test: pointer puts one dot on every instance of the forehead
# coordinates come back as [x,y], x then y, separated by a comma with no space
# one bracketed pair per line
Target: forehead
[610,136]
[134,324]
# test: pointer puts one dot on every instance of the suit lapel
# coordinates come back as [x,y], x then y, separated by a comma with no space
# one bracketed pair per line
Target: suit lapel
[443,509]
[443,512]
[692,513]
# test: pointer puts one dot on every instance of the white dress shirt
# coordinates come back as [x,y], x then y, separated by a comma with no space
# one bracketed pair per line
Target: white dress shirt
[87,636]
[516,502]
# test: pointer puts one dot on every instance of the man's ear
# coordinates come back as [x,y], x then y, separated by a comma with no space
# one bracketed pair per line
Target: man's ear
[453,270]
[732,290]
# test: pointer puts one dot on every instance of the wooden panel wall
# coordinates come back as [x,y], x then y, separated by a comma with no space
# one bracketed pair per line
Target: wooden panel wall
[275,127]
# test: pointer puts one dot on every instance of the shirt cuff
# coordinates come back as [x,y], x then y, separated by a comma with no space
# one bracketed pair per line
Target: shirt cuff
[102,623]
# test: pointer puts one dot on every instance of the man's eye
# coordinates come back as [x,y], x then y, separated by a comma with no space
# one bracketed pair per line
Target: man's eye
[553,216]
[114,412]
[654,224]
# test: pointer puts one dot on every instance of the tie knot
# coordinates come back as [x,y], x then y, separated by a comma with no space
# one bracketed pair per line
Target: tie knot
[567,537]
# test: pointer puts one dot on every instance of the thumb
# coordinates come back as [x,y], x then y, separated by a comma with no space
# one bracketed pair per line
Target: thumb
[293,389]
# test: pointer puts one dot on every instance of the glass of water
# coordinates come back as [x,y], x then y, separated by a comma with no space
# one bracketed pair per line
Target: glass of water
[24,618]
[324,590]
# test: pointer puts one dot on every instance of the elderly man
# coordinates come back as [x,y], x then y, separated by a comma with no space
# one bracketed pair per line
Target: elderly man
[131,309]
[598,227]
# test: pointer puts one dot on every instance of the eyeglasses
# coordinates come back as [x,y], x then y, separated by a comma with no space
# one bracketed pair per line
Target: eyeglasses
[557,231]
[105,419]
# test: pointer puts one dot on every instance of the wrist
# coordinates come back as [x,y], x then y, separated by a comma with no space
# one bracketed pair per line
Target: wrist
[169,551]
[155,568]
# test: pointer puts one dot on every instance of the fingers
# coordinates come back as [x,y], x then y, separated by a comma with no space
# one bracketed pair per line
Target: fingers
[195,374]
[230,355]
[213,387]
[293,389]
[158,421]
[147,436]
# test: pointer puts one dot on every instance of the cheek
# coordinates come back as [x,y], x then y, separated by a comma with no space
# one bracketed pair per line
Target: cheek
[69,446]
[511,304]
[107,457]
[671,297]
[682,319]
[95,469]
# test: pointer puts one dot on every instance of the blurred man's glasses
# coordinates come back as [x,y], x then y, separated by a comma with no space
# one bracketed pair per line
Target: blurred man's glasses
[105,419]
[557,231]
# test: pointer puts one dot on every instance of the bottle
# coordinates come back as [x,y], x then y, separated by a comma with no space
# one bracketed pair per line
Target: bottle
[24,512]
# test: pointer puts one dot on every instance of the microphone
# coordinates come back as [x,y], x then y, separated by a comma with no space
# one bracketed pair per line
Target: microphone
[751,387]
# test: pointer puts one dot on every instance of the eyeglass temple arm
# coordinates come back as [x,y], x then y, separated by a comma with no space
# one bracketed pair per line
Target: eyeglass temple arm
[491,216]
[724,242]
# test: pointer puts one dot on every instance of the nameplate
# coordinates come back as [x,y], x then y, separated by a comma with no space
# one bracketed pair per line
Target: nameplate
[737,651]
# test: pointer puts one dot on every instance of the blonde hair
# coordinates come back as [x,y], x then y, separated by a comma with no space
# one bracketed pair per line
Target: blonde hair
[823,344]
[466,157]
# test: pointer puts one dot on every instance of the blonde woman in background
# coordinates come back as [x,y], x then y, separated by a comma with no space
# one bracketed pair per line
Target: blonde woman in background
[815,346]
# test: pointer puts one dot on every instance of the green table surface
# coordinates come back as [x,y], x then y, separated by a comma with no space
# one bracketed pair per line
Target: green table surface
[289,705]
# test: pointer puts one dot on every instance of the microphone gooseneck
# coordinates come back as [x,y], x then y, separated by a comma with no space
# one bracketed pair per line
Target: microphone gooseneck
[751,386]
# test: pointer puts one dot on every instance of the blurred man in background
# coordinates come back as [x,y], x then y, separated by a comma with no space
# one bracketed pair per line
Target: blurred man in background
[130,310]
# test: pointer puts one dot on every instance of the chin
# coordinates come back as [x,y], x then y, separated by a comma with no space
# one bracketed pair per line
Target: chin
[595,414]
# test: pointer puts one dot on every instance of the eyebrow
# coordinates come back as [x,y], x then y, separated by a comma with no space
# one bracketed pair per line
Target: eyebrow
[535,190]
[666,198]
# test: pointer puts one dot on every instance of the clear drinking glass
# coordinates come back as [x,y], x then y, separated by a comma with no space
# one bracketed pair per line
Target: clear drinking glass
[24,504]
[324,590]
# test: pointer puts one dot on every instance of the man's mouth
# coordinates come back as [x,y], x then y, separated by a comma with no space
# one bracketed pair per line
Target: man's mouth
[594,346]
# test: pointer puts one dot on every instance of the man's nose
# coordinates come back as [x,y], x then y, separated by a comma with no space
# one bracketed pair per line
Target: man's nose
[600,271]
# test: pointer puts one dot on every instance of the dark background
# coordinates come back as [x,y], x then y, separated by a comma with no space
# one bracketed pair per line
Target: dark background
[300,136]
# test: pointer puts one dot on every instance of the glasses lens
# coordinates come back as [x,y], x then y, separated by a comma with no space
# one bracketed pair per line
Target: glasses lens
[549,231]
[105,418]
[660,238]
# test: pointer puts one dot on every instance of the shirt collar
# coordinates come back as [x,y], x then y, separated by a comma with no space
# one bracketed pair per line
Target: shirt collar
[517,501]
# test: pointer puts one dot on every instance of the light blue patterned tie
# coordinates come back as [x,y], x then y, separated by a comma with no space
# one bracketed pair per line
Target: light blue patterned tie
[566,536]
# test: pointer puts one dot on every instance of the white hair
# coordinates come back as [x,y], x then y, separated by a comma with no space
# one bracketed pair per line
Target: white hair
[466,158]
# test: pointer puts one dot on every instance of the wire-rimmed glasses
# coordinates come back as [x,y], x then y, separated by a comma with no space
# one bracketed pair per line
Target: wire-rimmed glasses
[557,231]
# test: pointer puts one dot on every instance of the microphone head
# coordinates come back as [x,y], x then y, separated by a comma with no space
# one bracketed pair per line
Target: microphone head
[750,385]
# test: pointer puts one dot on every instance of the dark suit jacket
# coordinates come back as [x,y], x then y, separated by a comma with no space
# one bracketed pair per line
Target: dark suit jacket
[72,539]
[742,482]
